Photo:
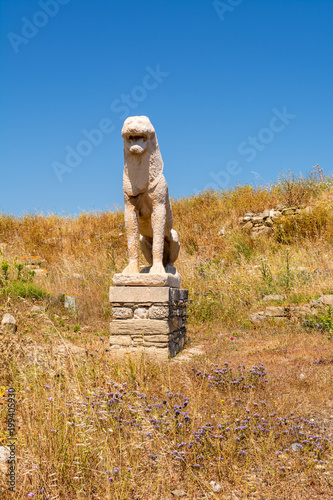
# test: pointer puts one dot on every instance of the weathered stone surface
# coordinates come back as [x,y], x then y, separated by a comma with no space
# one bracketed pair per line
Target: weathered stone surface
[167,280]
[141,313]
[139,294]
[257,220]
[122,340]
[326,300]
[262,224]
[258,317]
[122,312]
[275,311]
[4,455]
[152,338]
[161,345]
[262,231]
[70,302]
[9,323]
[289,211]
[41,272]
[159,312]
[300,311]
[248,226]
[140,326]
[178,295]
[269,298]
[176,322]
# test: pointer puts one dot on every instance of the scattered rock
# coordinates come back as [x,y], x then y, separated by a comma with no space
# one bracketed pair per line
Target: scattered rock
[247,226]
[276,311]
[299,311]
[302,376]
[289,211]
[9,323]
[296,447]
[34,260]
[326,300]
[216,487]
[4,455]
[178,493]
[36,310]
[258,317]
[41,272]
[70,302]
[3,247]
[269,298]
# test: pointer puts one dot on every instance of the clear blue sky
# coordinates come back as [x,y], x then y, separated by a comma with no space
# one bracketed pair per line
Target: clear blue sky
[237,91]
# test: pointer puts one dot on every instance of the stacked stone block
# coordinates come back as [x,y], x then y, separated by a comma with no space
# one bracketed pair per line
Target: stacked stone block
[148,317]
[263,223]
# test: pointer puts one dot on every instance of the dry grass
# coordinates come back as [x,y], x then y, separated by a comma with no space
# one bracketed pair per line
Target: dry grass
[95,426]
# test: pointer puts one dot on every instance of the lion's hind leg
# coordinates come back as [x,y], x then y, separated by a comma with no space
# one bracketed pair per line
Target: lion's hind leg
[171,251]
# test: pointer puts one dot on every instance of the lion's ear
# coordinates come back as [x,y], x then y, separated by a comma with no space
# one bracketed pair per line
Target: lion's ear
[152,135]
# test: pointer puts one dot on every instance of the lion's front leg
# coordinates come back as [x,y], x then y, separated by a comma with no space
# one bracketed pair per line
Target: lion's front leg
[158,221]
[132,231]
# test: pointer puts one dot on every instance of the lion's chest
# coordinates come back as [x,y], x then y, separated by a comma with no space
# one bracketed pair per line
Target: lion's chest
[143,207]
[142,204]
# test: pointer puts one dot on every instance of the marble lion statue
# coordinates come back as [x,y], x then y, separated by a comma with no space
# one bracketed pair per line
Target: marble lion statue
[148,214]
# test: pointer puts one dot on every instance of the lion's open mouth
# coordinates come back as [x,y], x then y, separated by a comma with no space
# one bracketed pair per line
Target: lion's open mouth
[137,143]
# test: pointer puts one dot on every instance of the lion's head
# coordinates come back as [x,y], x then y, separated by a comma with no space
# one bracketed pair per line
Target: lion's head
[137,133]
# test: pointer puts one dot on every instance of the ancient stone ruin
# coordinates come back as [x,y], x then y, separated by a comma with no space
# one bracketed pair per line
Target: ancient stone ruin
[148,307]
[263,223]
[283,313]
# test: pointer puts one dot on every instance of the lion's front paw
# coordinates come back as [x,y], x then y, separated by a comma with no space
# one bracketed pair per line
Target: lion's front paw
[157,269]
[132,268]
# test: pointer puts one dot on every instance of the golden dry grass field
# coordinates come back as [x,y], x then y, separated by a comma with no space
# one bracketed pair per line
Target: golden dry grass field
[244,412]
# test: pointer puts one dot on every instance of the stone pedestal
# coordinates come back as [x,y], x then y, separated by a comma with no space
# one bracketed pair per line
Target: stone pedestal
[149,318]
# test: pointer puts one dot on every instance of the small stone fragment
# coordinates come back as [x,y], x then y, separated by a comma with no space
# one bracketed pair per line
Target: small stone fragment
[257,317]
[41,272]
[70,302]
[216,487]
[247,226]
[4,455]
[276,297]
[178,493]
[275,311]
[327,300]
[296,447]
[9,323]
